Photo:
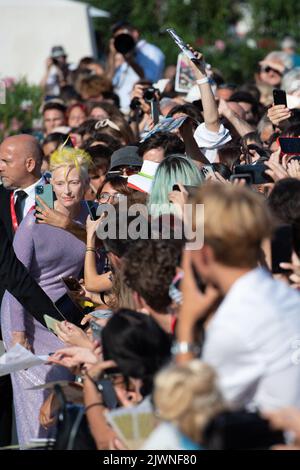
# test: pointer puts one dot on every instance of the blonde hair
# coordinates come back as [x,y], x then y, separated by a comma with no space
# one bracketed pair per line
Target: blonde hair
[71,158]
[187,396]
[236,221]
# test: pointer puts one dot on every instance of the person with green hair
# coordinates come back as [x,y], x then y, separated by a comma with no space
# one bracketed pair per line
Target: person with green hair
[50,254]
[175,169]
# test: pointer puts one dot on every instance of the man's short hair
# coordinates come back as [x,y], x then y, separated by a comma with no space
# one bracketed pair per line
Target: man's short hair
[122,24]
[236,221]
[58,106]
[169,142]
[149,267]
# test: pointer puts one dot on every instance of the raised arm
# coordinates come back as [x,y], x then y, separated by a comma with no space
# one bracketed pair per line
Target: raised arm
[210,108]
[92,280]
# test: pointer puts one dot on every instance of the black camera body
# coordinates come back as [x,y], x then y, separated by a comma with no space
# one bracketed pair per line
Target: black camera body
[150,94]
[256,171]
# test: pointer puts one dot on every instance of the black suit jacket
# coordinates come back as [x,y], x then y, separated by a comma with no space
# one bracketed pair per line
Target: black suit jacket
[14,277]
[5,215]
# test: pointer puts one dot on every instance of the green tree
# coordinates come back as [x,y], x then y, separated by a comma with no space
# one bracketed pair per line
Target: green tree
[276,18]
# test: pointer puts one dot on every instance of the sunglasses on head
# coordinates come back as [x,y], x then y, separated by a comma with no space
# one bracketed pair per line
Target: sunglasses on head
[106,123]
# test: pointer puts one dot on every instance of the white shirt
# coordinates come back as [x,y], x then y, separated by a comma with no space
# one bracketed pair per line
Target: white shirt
[123,81]
[209,141]
[29,202]
[252,342]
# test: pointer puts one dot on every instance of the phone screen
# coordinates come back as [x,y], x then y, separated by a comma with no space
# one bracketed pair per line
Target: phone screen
[279,97]
[92,208]
[69,310]
[281,247]
[290,145]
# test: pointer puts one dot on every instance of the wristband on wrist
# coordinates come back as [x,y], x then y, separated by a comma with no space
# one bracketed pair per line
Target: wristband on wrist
[88,248]
[201,81]
[183,347]
[98,403]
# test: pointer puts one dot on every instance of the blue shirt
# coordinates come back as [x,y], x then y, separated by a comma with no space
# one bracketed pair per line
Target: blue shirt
[151,59]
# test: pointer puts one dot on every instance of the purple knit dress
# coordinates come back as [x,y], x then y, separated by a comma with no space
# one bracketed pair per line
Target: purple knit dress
[48,253]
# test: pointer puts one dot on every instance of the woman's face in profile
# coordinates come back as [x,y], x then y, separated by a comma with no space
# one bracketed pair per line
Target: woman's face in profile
[68,186]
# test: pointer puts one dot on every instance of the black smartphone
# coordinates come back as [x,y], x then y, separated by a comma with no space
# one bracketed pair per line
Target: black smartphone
[72,284]
[290,145]
[243,176]
[279,97]
[256,171]
[92,208]
[69,311]
[109,396]
[281,247]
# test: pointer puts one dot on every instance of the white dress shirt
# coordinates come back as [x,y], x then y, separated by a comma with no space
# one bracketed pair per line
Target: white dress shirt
[123,81]
[29,202]
[252,343]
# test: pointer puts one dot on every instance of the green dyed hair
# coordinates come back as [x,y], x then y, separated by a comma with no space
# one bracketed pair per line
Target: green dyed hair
[173,169]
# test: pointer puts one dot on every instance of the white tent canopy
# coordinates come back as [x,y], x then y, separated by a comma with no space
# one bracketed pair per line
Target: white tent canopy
[29,28]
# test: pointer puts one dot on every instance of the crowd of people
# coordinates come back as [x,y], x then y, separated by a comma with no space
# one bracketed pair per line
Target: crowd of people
[167,258]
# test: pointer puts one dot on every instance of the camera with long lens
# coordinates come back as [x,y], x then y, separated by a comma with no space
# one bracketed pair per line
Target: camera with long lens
[150,94]
[124,43]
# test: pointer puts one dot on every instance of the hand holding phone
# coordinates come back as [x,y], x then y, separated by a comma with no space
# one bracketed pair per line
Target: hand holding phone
[92,208]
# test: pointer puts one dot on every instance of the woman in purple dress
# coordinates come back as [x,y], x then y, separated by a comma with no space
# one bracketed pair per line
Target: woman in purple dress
[49,253]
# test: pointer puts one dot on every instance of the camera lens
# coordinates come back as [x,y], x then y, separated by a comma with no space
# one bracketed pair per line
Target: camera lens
[124,43]
[149,94]
[39,189]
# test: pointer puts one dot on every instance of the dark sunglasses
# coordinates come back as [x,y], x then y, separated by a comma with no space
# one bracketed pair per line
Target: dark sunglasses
[268,69]
[130,170]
